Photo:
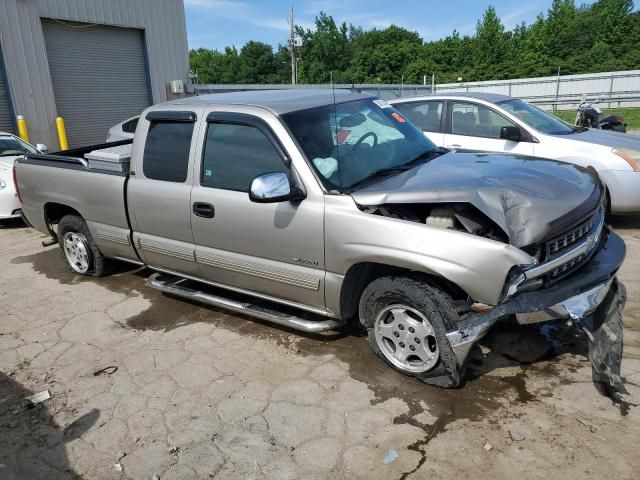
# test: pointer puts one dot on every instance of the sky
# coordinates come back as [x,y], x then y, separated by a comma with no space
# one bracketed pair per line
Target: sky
[218,23]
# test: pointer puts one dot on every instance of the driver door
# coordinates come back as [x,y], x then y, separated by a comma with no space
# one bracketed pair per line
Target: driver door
[274,249]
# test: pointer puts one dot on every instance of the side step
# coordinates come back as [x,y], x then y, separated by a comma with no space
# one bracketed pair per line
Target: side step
[173,286]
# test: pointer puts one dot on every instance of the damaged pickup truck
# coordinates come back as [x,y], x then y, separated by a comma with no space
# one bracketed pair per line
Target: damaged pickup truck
[313,208]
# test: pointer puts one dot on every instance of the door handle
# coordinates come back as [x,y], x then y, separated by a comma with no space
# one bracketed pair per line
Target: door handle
[455,145]
[204,210]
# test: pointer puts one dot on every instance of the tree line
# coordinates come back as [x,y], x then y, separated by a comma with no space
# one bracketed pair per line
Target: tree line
[602,36]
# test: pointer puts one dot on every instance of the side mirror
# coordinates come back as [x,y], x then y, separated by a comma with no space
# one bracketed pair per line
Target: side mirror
[512,134]
[42,148]
[273,188]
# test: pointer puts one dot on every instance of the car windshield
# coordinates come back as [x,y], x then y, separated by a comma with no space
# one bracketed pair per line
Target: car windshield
[347,143]
[11,146]
[535,117]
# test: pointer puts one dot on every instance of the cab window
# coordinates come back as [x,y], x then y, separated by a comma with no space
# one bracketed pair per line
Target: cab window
[235,154]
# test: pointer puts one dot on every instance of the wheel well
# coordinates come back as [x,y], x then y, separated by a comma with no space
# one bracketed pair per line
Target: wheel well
[53,212]
[362,274]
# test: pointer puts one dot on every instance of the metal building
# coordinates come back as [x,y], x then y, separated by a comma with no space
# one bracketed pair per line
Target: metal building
[92,62]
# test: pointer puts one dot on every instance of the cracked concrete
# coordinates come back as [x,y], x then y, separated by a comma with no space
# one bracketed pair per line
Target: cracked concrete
[199,393]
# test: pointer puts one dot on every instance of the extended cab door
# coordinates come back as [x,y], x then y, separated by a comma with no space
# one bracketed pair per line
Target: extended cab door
[273,249]
[472,126]
[160,191]
[428,116]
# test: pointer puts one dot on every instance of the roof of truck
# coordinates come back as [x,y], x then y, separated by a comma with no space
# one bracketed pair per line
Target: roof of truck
[278,101]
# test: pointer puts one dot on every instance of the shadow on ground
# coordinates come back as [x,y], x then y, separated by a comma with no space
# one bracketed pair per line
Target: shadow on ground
[624,222]
[31,444]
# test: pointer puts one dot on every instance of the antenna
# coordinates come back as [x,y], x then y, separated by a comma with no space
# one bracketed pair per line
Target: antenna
[335,123]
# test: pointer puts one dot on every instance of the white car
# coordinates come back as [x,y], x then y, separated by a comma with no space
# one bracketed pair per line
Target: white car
[498,123]
[123,130]
[11,147]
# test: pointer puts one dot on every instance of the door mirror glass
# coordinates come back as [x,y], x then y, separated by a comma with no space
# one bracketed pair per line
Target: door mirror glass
[512,134]
[272,188]
[42,148]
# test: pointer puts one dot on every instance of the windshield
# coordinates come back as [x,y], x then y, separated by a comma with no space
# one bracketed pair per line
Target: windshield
[11,146]
[348,142]
[539,119]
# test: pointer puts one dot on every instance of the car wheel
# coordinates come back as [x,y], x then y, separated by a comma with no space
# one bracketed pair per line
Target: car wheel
[79,249]
[407,321]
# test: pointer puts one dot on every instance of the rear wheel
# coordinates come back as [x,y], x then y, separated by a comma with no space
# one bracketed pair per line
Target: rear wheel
[407,321]
[79,250]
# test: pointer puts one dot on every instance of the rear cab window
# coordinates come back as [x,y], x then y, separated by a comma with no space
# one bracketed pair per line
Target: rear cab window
[167,146]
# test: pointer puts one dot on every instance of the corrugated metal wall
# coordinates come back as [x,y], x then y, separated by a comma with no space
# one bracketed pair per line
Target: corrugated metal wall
[6,120]
[99,77]
[26,57]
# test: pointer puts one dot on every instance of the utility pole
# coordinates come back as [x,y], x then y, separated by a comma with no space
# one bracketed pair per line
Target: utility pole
[292,44]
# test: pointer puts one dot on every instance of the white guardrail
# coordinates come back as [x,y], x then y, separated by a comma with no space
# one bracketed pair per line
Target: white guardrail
[563,92]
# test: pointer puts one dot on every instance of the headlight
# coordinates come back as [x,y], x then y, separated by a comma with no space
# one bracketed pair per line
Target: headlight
[2,184]
[632,157]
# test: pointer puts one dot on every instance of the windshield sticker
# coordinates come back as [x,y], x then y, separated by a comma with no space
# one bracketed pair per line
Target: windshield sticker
[397,117]
[381,103]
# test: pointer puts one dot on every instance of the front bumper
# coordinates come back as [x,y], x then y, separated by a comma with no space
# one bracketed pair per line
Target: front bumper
[576,297]
[9,204]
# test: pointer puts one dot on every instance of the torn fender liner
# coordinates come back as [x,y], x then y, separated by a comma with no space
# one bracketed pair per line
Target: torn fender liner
[604,329]
[529,198]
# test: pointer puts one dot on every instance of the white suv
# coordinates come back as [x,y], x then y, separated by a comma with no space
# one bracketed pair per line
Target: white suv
[498,123]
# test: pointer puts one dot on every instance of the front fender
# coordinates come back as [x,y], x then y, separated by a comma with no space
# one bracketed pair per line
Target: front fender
[477,265]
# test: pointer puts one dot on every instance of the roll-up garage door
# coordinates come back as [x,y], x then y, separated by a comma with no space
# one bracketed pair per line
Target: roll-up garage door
[6,118]
[99,77]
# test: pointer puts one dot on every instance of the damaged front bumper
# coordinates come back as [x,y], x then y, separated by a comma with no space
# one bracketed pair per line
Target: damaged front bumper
[592,298]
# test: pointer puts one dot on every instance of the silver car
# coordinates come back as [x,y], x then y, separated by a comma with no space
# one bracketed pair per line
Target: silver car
[498,123]
[123,130]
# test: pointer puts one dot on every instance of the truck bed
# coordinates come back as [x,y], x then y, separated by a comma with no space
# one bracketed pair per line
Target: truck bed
[74,158]
[61,183]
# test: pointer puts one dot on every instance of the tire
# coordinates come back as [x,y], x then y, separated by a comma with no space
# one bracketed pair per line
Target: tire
[80,250]
[393,306]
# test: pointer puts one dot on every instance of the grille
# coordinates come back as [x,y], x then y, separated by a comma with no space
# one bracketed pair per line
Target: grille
[570,240]
[564,242]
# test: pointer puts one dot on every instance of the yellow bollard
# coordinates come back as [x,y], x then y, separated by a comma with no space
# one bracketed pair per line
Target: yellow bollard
[23,133]
[62,134]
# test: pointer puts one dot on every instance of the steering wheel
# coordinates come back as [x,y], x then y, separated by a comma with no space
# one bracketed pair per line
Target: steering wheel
[12,152]
[363,138]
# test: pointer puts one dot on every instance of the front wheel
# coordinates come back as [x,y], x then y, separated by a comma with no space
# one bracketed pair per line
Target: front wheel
[407,321]
[79,250]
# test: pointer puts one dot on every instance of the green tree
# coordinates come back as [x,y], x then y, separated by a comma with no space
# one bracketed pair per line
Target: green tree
[256,63]
[325,50]
[603,35]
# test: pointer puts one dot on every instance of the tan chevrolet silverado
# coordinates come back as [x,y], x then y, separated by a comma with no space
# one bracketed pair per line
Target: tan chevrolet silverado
[316,208]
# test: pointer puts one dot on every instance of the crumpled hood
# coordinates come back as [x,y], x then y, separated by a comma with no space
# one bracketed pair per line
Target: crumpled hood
[606,138]
[529,198]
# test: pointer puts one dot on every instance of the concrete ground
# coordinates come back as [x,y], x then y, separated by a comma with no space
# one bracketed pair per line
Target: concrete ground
[195,393]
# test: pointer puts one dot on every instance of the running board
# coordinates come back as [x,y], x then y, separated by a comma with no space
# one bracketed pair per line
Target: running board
[172,285]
